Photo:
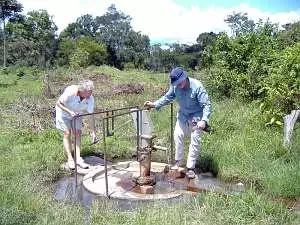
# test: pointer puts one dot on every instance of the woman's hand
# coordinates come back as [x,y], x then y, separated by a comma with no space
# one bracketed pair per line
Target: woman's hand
[73,114]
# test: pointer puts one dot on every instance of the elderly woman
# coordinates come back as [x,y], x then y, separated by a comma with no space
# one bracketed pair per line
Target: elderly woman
[75,100]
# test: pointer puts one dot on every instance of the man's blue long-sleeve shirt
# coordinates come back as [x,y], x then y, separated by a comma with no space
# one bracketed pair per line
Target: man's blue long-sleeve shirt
[193,101]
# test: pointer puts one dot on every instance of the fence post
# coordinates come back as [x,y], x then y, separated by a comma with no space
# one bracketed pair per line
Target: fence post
[289,122]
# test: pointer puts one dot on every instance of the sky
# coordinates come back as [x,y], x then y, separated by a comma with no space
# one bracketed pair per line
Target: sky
[169,21]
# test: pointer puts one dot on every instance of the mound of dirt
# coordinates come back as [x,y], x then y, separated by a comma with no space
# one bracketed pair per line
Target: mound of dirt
[100,78]
[103,94]
[128,89]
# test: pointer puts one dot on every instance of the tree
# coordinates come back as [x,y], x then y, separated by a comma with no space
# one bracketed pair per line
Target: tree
[206,39]
[290,35]
[41,30]
[66,48]
[37,36]
[97,53]
[124,45]
[8,9]
[114,28]
[84,26]
[162,59]
[81,52]
[87,24]
[137,49]
[240,23]
[72,31]
[19,46]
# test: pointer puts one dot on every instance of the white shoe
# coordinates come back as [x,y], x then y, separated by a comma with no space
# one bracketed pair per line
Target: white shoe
[71,164]
[82,164]
[176,165]
[190,174]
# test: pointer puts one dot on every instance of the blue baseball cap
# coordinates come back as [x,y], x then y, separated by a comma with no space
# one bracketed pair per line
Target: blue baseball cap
[178,75]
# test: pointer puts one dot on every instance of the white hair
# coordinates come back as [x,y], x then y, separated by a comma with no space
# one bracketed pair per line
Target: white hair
[86,85]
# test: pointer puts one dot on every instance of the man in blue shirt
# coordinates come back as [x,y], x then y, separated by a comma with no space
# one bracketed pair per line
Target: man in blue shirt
[192,118]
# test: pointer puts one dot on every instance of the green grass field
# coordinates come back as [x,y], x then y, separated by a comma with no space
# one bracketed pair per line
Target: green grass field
[240,149]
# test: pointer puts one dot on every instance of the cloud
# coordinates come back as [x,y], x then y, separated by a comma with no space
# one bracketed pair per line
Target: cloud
[159,19]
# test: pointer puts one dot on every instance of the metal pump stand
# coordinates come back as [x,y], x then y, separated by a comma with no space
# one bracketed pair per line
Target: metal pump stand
[143,152]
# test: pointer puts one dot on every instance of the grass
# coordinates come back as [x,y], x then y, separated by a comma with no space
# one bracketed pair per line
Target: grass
[240,149]
[247,208]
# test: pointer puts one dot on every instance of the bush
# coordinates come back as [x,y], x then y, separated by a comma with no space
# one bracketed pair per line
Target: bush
[282,86]
[79,59]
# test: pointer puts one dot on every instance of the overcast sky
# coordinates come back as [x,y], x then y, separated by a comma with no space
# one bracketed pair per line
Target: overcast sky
[170,20]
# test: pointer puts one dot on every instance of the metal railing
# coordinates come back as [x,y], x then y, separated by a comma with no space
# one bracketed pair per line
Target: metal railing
[108,129]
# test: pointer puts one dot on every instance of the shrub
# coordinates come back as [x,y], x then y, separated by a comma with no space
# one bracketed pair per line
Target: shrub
[282,86]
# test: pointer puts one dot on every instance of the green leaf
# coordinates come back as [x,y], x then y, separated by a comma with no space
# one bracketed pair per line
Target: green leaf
[272,120]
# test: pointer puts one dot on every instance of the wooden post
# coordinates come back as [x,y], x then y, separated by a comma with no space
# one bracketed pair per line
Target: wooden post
[289,122]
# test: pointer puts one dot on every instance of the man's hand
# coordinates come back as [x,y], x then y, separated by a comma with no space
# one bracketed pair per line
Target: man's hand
[201,124]
[73,114]
[149,104]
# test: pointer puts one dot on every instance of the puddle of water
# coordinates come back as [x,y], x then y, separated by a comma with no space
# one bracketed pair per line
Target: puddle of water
[167,183]
[162,185]
[67,191]
[168,187]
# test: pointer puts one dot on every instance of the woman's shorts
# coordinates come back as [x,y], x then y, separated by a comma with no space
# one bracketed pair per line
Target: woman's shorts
[68,124]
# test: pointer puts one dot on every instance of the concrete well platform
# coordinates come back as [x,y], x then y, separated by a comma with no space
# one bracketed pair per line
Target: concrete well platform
[169,184]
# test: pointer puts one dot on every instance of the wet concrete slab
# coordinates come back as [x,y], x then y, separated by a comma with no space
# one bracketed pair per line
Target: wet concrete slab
[123,191]
[66,190]
[125,194]
[121,182]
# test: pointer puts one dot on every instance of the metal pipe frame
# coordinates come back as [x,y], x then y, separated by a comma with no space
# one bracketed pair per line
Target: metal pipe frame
[73,122]
[104,111]
[137,134]
[105,159]
[171,134]
[73,130]
[104,132]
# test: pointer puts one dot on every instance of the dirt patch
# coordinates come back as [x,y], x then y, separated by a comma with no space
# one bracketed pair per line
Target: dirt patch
[119,90]
[100,78]
[128,89]
[103,94]
[29,115]
[291,203]
[66,80]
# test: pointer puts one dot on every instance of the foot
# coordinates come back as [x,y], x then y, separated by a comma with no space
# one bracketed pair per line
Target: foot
[176,165]
[190,174]
[81,163]
[71,164]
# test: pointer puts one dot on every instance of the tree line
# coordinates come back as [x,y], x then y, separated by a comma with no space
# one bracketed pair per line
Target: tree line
[257,61]
[32,40]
